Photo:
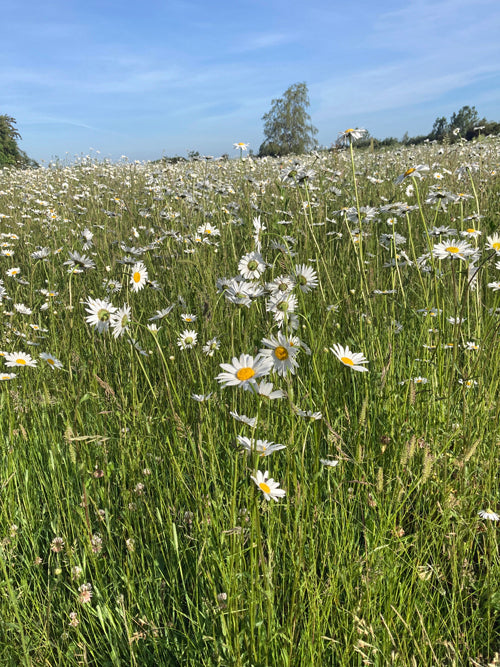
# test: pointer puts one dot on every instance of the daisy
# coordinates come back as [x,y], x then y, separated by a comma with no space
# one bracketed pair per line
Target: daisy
[281,354]
[139,276]
[280,285]
[241,146]
[309,414]
[13,272]
[468,384]
[263,447]
[252,266]
[266,389]
[306,277]
[208,230]
[249,421]
[19,359]
[211,346]
[331,463]
[350,359]
[77,261]
[268,486]
[188,317]
[187,339]
[243,372]
[413,172]
[489,514]
[51,360]
[470,233]
[453,249]
[120,321]
[348,136]
[282,306]
[493,243]
[7,376]
[160,314]
[495,286]
[100,312]
[470,345]
[201,398]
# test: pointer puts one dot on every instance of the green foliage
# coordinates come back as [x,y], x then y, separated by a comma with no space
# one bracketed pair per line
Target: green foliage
[10,153]
[287,125]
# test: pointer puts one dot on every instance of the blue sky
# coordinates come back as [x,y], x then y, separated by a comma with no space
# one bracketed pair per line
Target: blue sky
[152,78]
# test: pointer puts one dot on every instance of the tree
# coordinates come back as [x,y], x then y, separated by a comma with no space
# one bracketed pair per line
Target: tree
[464,119]
[440,129]
[287,125]
[10,153]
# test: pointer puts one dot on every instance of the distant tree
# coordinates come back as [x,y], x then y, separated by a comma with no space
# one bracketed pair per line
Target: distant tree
[287,125]
[464,119]
[440,129]
[10,153]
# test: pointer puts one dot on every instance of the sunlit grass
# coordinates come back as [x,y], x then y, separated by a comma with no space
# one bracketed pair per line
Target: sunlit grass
[132,529]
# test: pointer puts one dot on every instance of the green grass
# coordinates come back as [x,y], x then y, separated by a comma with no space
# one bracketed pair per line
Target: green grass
[382,559]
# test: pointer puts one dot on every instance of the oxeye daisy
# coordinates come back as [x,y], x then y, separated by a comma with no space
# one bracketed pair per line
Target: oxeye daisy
[266,389]
[350,359]
[305,277]
[187,339]
[100,312]
[211,346]
[120,321]
[51,360]
[7,376]
[19,359]
[452,249]
[268,486]
[282,355]
[188,317]
[352,134]
[241,145]
[413,172]
[139,276]
[489,514]
[243,372]
[262,447]
[252,266]
[493,243]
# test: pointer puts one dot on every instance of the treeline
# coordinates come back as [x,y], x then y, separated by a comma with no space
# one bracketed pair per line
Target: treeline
[463,124]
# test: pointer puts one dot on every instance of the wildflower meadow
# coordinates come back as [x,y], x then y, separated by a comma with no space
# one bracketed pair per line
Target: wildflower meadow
[249,409]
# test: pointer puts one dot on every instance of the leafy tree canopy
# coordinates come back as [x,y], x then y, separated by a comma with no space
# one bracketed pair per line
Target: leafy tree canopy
[287,125]
[10,153]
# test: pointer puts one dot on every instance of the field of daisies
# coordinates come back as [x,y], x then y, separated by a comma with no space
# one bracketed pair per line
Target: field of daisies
[249,410]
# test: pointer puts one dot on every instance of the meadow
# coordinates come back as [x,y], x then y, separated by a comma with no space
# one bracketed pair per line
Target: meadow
[249,410]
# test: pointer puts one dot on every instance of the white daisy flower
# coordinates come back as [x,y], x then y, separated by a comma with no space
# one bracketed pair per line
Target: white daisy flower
[268,486]
[348,136]
[252,266]
[211,346]
[489,514]
[413,172]
[187,339]
[249,421]
[139,276]
[263,447]
[188,317]
[309,414]
[120,320]
[305,277]
[350,359]
[281,354]
[7,376]
[243,372]
[201,398]
[266,389]
[13,359]
[100,312]
[51,360]
[453,249]
[329,462]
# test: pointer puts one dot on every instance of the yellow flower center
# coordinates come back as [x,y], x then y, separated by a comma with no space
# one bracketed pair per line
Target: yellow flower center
[349,130]
[471,231]
[208,231]
[452,249]
[281,353]
[137,277]
[50,361]
[496,246]
[409,171]
[21,362]
[347,361]
[245,374]
[265,487]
